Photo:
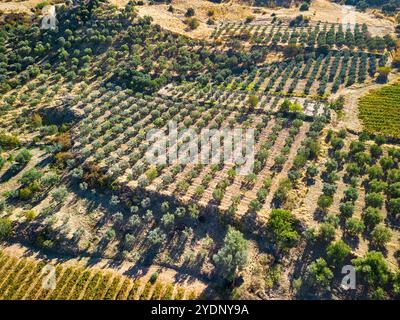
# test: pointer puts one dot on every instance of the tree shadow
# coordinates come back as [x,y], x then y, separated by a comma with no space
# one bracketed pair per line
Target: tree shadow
[12,171]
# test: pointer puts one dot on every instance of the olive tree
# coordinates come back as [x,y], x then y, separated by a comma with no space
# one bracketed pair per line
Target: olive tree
[373,268]
[282,225]
[232,257]
[337,252]
[319,274]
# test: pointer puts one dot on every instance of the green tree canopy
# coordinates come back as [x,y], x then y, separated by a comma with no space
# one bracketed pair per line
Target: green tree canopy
[282,225]
[373,268]
[319,273]
[337,252]
[232,257]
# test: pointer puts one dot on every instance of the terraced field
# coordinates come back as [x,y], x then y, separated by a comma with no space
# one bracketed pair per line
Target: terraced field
[277,33]
[103,156]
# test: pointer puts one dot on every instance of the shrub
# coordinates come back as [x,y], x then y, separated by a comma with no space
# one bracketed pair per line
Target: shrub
[129,241]
[319,274]
[153,277]
[354,227]
[373,268]
[378,294]
[210,22]
[23,157]
[151,173]
[394,206]
[351,194]
[347,208]
[49,130]
[254,205]
[30,215]
[282,225]
[329,189]
[156,236]
[380,235]
[110,234]
[37,120]
[41,5]
[218,194]
[3,205]
[134,291]
[180,293]
[324,202]
[375,150]
[9,141]
[59,194]
[168,220]
[377,185]
[25,193]
[304,6]
[199,191]
[249,19]
[372,217]
[156,295]
[327,231]
[375,172]
[396,283]
[253,101]
[50,179]
[190,12]
[337,252]
[5,228]
[193,23]
[383,73]
[262,194]
[30,176]
[374,200]
[333,219]
[284,187]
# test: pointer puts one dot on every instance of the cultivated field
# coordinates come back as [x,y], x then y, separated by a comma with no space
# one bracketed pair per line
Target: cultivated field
[379,111]
[22,279]
[83,105]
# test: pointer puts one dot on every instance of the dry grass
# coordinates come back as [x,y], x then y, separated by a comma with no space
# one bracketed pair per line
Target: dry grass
[18,6]
[175,21]
[234,10]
